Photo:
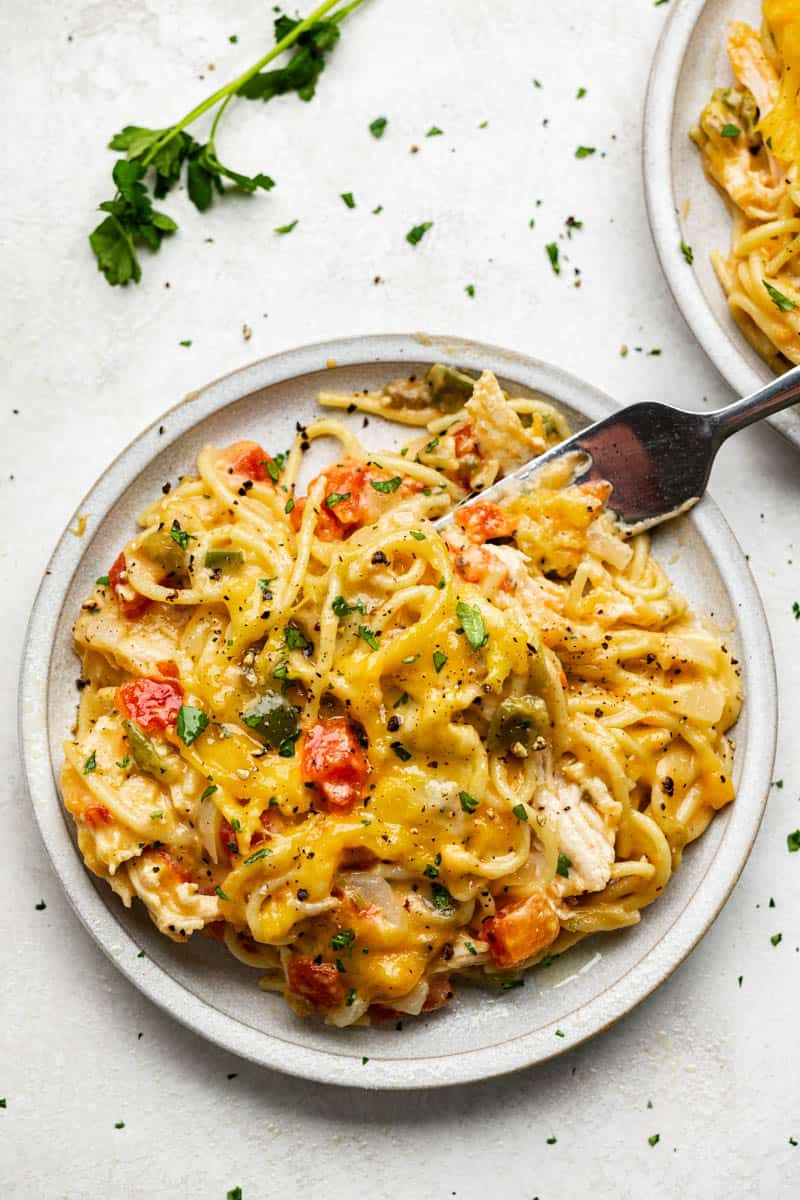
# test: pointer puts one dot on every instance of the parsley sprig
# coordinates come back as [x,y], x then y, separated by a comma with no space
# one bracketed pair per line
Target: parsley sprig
[155,158]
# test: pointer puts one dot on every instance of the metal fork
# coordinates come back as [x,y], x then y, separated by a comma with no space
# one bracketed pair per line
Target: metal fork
[657,459]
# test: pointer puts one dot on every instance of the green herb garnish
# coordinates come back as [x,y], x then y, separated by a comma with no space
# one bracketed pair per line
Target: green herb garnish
[191,723]
[471,619]
[417,233]
[439,659]
[778,299]
[386,485]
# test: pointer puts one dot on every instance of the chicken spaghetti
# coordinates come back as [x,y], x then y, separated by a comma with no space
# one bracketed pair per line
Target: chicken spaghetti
[749,135]
[377,760]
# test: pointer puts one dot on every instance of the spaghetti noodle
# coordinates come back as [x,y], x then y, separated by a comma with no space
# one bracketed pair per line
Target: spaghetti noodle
[374,759]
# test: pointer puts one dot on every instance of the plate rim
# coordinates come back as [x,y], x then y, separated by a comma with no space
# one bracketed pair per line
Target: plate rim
[662,209]
[326,1065]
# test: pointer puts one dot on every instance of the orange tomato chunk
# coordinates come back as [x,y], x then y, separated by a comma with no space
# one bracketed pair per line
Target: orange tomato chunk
[131,605]
[318,983]
[334,761]
[485,520]
[521,930]
[249,459]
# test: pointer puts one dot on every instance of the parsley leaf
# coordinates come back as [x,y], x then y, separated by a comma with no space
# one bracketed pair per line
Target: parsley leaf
[442,900]
[334,498]
[342,609]
[439,659]
[520,812]
[209,791]
[102,581]
[401,752]
[563,865]
[584,151]
[730,131]
[378,127]
[468,803]
[182,538]
[369,637]
[434,131]
[301,74]
[349,199]
[417,232]
[220,893]
[90,764]
[386,485]
[776,939]
[552,254]
[286,228]
[295,639]
[778,299]
[343,940]
[471,619]
[687,252]
[793,841]
[257,856]
[191,723]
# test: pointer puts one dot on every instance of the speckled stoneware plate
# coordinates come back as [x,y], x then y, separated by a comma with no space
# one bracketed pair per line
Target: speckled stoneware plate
[199,983]
[690,62]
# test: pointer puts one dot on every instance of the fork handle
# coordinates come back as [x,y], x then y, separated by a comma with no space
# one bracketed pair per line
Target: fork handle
[774,396]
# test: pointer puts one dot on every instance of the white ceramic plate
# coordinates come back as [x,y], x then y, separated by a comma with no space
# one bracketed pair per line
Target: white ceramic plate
[690,62]
[199,983]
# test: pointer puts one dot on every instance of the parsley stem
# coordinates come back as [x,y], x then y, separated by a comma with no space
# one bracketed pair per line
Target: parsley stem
[230,89]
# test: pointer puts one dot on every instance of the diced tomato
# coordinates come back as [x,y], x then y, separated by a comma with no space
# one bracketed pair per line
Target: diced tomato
[152,703]
[485,520]
[464,439]
[169,669]
[319,983]
[521,930]
[473,563]
[248,459]
[355,501]
[96,814]
[131,605]
[440,992]
[171,865]
[334,761]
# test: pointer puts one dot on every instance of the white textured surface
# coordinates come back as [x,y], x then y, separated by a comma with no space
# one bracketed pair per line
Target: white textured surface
[87,367]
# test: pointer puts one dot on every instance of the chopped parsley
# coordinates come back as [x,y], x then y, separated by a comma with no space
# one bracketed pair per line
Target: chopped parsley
[654,1139]
[471,619]
[552,254]
[434,131]
[778,299]
[584,151]
[470,290]
[378,127]
[334,498]
[295,639]
[415,533]
[90,764]
[468,946]
[551,1141]
[220,893]
[343,940]
[386,485]
[439,659]
[442,900]
[234,1194]
[796,610]
[349,199]
[119,1124]
[102,581]
[286,228]
[41,906]
[468,803]
[687,252]
[257,856]
[401,752]
[581,92]
[264,585]
[417,233]
[182,538]
[369,636]
[776,939]
[343,609]
[793,841]
[563,866]
[410,658]
[520,812]
[209,791]
[560,1033]
[289,506]
[123,763]
[730,131]
[508,984]
[350,997]
[191,723]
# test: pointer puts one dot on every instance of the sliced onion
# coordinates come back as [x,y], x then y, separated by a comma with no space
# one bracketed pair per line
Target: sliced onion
[607,545]
[209,820]
[412,1003]
[372,891]
[347,1014]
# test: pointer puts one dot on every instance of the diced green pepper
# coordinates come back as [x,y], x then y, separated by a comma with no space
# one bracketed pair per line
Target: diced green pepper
[273,718]
[450,389]
[145,754]
[162,548]
[518,719]
[216,559]
[537,665]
